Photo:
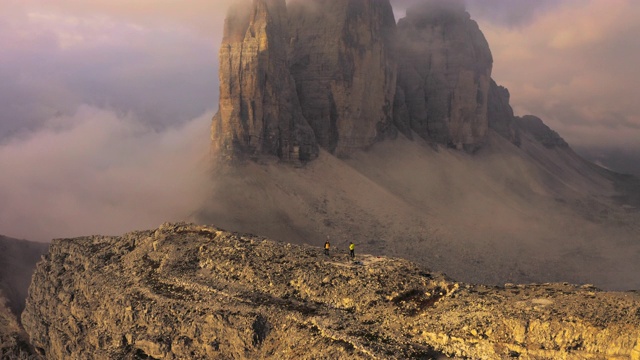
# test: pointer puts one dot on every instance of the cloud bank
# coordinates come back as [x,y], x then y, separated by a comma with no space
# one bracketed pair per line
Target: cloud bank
[143,59]
[99,172]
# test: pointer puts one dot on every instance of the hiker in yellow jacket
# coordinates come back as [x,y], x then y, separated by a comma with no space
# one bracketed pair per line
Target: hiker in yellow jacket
[352,250]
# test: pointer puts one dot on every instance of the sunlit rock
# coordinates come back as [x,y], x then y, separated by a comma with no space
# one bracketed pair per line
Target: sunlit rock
[206,293]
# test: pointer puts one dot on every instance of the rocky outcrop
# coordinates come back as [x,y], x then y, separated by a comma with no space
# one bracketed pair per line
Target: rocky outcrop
[187,291]
[259,110]
[540,132]
[344,69]
[510,127]
[444,75]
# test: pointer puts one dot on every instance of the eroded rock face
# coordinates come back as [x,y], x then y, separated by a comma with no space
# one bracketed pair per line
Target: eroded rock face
[259,109]
[341,75]
[345,73]
[444,72]
[187,291]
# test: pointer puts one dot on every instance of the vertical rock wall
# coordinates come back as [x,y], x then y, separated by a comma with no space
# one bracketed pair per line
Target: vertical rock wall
[344,70]
[259,109]
[444,72]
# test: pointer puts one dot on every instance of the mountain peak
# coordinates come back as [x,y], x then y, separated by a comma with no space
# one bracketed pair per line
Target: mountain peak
[342,75]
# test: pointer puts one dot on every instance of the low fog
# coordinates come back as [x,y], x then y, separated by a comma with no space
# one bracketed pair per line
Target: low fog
[99,172]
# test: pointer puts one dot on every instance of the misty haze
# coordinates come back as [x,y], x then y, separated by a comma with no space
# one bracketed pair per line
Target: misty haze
[402,126]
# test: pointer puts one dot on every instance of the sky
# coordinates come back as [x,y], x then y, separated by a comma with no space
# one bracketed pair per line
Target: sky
[105,104]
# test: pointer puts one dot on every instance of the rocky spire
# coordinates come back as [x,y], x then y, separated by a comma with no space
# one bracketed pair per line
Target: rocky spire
[259,109]
[444,75]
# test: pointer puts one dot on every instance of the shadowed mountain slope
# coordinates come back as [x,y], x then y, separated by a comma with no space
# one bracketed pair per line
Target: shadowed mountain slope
[17,261]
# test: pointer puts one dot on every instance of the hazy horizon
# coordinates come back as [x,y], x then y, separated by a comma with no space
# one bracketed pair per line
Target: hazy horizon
[106,105]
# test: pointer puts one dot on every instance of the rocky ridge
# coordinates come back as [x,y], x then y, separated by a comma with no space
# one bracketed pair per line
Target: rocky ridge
[187,291]
[541,132]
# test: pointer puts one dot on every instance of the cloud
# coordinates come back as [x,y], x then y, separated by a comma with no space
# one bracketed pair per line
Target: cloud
[204,16]
[60,55]
[102,128]
[97,171]
[575,68]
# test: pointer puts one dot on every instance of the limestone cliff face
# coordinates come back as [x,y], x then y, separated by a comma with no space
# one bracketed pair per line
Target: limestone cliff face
[323,63]
[186,291]
[259,109]
[345,73]
[444,75]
